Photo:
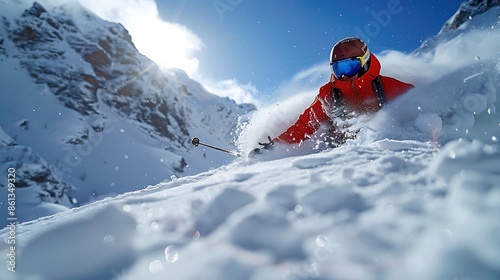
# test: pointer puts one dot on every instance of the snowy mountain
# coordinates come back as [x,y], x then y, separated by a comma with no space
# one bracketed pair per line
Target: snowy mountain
[415,196]
[460,21]
[78,98]
[467,11]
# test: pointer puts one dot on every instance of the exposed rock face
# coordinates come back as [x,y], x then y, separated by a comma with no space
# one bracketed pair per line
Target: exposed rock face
[92,67]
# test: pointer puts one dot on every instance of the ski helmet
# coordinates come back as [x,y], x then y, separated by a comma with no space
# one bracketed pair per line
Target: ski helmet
[349,57]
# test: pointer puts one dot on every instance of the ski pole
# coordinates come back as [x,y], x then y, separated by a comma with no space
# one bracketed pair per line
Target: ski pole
[196,142]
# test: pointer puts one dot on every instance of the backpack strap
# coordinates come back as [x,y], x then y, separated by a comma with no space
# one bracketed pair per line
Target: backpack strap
[337,95]
[379,91]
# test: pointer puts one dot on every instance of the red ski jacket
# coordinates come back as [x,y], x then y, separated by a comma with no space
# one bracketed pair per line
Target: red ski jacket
[363,95]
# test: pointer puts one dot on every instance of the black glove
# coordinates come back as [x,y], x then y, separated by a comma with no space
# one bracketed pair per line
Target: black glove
[265,146]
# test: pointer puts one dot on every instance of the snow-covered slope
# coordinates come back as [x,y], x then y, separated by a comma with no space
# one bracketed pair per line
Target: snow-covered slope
[416,196]
[77,93]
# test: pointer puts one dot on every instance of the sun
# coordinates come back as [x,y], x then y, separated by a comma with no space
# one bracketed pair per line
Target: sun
[170,45]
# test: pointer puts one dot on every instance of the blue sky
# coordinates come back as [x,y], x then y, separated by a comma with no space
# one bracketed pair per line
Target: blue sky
[265,42]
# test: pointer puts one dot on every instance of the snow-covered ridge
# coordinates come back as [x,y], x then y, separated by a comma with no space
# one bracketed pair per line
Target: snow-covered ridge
[460,21]
[467,11]
[76,92]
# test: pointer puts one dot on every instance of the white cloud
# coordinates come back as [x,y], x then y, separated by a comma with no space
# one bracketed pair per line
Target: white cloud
[310,79]
[241,93]
[169,44]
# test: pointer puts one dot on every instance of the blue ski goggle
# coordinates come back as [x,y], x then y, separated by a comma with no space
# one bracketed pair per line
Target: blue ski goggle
[349,67]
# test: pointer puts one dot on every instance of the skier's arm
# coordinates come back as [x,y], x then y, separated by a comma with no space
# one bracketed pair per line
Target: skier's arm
[394,88]
[307,123]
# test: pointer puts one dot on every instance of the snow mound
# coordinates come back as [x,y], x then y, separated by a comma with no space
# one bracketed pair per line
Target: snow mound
[220,208]
[468,244]
[100,242]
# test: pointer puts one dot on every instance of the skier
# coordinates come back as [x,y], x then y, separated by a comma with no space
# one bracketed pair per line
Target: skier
[355,87]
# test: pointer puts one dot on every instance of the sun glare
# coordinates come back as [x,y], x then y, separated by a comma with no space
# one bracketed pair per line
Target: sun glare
[169,45]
